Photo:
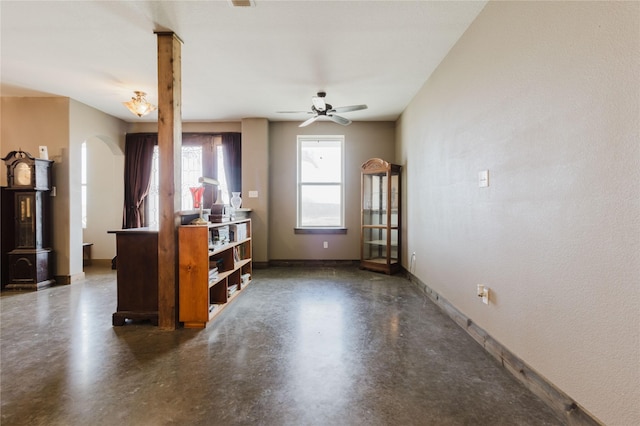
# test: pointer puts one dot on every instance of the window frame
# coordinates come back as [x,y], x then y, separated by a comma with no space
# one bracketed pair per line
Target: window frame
[210,167]
[83,184]
[320,229]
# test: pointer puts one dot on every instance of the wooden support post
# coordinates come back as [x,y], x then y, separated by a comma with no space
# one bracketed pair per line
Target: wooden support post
[169,155]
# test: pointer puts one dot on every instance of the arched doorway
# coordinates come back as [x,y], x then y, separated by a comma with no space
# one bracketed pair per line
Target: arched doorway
[102,194]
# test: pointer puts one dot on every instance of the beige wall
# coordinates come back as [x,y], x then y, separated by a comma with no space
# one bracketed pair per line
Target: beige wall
[544,95]
[28,123]
[363,140]
[62,125]
[104,136]
[255,177]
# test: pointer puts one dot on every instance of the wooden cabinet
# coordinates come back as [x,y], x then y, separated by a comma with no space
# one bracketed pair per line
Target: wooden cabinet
[214,267]
[137,275]
[381,216]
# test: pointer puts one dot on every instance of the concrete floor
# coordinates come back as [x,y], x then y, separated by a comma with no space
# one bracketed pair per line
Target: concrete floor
[301,346]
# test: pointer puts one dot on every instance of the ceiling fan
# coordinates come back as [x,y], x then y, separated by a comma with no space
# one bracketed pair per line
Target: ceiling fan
[321,108]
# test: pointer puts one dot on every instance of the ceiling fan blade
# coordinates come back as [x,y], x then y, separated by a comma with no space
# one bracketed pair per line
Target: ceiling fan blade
[349,108]
[319,103]
[309,121]
[339,120]
[294,112]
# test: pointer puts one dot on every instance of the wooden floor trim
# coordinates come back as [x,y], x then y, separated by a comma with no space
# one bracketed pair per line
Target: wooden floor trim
[560,402]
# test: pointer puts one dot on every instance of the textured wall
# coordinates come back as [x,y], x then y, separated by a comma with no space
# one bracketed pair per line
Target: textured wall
[255,177]
[545,95]
[104,136]
[28,123]
[62,124]
[363,140]
[105,196]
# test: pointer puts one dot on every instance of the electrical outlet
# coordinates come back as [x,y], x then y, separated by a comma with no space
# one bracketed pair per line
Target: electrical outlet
[325,244]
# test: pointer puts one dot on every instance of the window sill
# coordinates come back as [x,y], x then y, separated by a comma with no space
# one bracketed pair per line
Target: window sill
[319,230]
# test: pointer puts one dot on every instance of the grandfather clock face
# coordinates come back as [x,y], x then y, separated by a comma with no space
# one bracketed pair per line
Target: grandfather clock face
[27,172]
[22,174]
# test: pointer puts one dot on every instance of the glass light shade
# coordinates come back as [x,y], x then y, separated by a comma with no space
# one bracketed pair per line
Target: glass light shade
[139,105]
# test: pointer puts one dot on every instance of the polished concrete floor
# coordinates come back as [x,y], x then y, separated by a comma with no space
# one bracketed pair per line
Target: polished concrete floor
[301,346]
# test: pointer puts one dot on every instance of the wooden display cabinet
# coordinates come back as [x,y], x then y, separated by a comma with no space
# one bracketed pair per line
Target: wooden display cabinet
[381,216]
[214,267]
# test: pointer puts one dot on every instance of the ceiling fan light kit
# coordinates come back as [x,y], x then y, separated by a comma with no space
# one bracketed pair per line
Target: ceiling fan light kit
[318,102]
[320,108]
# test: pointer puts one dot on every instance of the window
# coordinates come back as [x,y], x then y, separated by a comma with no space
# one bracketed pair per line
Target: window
[192,166]
[83,183]
[320,182]
[222,177]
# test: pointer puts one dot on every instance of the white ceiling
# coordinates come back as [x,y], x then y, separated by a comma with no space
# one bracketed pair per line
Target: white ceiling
[236,62]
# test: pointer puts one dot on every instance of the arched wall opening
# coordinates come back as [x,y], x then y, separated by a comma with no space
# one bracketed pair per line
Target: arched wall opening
[103,194]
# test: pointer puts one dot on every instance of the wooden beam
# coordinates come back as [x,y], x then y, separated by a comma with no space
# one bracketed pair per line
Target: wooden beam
[169,156]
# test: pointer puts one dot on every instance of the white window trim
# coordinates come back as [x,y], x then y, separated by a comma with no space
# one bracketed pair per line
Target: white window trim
[84,194]
[299,229]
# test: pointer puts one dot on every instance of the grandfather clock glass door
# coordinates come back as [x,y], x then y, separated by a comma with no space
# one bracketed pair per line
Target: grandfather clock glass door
[28,229]
[31,260]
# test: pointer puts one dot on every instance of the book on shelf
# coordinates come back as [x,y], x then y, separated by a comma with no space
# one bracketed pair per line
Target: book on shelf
[232,289]
[245,279]
[236,254]
[216,264]
[238,231]
[220,235]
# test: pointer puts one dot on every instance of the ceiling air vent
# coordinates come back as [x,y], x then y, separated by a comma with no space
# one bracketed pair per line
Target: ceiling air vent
[242,3]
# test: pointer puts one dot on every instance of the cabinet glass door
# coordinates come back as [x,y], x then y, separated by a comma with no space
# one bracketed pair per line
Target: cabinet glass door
[381,219]
[375,199]
[395,199]
[376,248]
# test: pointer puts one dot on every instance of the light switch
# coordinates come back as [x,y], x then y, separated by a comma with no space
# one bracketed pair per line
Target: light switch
[253,194]
[483,178]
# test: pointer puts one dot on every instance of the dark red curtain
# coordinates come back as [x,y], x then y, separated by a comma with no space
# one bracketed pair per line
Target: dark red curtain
[138,157]
[232,154]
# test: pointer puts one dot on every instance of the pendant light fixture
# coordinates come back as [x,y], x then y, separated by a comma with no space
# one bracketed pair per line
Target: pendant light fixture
[139,104]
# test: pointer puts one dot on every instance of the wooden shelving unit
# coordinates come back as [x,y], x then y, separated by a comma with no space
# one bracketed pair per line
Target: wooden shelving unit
[214,267]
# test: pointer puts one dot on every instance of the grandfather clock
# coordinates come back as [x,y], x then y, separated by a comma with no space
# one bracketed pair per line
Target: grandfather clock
[30,259]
